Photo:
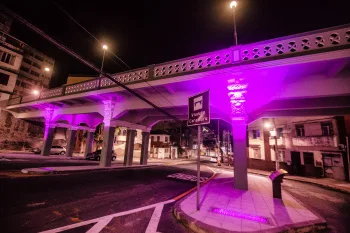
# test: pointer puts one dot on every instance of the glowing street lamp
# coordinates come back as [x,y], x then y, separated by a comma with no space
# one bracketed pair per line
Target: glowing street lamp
[273,133]
[104,47]
[36,92]
[47,69]
[233,6]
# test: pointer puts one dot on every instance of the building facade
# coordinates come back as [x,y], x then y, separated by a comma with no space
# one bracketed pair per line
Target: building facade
[161,147]
[35,69]
[306,146]
[10,62]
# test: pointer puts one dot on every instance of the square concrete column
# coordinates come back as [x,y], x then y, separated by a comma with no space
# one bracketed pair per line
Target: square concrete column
[72,132]
[107,147]
[144,148]
[89,142]
[108,133]
[48,138]
[129,147]
[240,149]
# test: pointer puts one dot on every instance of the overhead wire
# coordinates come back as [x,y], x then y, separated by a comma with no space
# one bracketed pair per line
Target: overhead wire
[81,59]
[119,59]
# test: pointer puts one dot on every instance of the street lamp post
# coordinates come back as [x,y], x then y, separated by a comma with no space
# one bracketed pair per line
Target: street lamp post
[274,129]
[233,6]
[104,47]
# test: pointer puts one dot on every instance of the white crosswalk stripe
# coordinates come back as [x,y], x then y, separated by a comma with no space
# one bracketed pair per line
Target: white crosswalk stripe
[182,176]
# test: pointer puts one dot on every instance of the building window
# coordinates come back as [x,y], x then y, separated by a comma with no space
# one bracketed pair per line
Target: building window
[7,58]
[256,134]
[279,132]
[4,79]
[124,132]
[26,60]
[158,138]
[256,153]
[327,129]
[166,139]
[34,73]
[39,58]
[166,150]
[282,156]
[152,139]
[300,130]
[25,69]
[37,65]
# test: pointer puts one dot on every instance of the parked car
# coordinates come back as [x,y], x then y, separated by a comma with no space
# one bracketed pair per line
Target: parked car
[97,156]
[60,150]
[213,160]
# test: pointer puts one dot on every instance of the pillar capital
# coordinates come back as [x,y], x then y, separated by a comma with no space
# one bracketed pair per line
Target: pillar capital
[92,130]
[108,111]
[52,125]
[237,91]
[74,127]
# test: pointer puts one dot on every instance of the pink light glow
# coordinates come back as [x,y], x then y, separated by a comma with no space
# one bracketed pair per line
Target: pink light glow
[236,214]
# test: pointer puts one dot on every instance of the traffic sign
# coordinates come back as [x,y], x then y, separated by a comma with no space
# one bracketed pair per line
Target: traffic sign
[199,109]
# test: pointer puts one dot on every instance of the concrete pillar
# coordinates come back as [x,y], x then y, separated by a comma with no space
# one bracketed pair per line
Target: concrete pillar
[89,142]
[129,147]
[72,132]
[48,138]
[108,133]
[107,147]
[239,131]
[49,132]
[237,92]
[144,148]
[265,136]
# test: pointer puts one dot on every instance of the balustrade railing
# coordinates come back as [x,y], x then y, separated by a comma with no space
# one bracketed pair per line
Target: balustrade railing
[304,42]
[52,93]
[82,87]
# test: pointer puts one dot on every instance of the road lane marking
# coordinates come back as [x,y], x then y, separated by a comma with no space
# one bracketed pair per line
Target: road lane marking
[100,225]
[36,204]
[182,176]
[154,222]
[96,220]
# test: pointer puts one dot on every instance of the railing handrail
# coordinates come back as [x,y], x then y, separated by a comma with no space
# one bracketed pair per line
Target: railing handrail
[298,35]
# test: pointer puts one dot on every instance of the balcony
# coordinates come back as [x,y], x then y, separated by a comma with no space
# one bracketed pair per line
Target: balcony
[255,141]
[319,141]
[280,141]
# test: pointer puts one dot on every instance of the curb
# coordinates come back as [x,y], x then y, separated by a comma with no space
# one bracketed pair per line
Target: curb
[319,225]
[25,171]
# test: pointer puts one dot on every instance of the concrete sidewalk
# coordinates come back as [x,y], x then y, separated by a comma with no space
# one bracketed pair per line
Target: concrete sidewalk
[329,183]
[20,155]
[70,169]
[333,184]
[224,209]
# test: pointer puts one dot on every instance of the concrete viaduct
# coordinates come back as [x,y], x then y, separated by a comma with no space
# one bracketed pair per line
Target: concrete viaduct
[306,74]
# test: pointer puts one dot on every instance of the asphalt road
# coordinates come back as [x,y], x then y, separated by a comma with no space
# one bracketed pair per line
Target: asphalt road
[19,164]
[331,205]
[38,203]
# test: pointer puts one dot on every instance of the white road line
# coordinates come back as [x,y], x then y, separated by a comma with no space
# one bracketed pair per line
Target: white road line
[99,225]
[153,223]
[60,229]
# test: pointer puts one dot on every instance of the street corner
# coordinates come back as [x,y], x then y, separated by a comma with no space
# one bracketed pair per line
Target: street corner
[253,210]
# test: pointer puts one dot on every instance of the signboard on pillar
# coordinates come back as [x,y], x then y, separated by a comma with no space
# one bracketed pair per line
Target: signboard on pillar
[199,109]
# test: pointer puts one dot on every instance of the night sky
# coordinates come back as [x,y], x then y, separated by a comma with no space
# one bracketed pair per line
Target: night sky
[154,31]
